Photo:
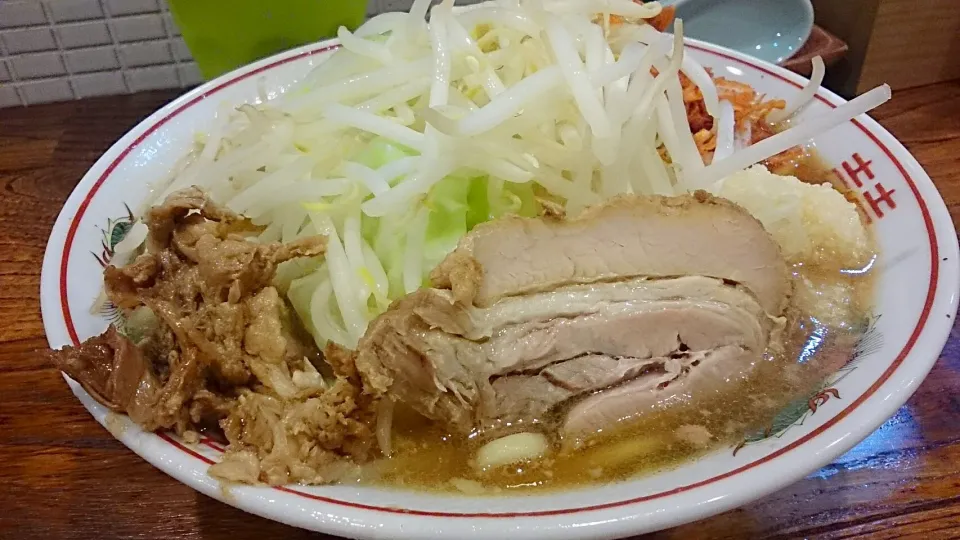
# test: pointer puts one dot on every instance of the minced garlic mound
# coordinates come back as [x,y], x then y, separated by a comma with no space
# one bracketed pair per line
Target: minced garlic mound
[812,223]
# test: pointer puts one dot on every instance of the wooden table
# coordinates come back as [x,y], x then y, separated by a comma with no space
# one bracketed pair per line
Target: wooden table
[64,476]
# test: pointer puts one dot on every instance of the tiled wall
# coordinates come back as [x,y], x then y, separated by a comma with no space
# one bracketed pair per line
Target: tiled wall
[56,50]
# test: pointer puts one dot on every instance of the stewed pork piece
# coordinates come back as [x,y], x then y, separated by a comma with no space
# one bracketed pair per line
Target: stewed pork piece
[582,323]
[218,348]
[626,237]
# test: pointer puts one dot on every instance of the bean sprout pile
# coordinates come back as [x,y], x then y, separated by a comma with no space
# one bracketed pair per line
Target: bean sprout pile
[424,124]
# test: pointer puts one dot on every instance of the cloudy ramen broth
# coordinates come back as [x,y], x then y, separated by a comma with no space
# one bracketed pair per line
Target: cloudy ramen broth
[426,457]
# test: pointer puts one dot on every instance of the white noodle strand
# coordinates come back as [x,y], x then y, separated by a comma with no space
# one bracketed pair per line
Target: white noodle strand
[805,96]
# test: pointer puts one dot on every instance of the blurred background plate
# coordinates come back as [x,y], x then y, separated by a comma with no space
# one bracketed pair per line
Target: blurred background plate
[771,30]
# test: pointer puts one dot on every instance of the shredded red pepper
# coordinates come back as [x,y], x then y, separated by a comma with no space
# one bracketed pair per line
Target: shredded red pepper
[749,108]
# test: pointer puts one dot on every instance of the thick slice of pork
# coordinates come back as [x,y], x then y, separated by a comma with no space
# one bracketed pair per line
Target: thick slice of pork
[585,323]
[524,358]
[700,372]
[630,236]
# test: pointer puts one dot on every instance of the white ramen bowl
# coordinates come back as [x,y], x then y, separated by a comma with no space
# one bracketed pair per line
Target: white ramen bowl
[915,303]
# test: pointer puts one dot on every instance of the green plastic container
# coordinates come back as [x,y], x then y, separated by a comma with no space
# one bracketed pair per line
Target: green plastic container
[225,34]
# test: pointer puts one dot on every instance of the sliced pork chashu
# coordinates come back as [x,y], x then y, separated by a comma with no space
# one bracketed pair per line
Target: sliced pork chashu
[617,320]
[628,236]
